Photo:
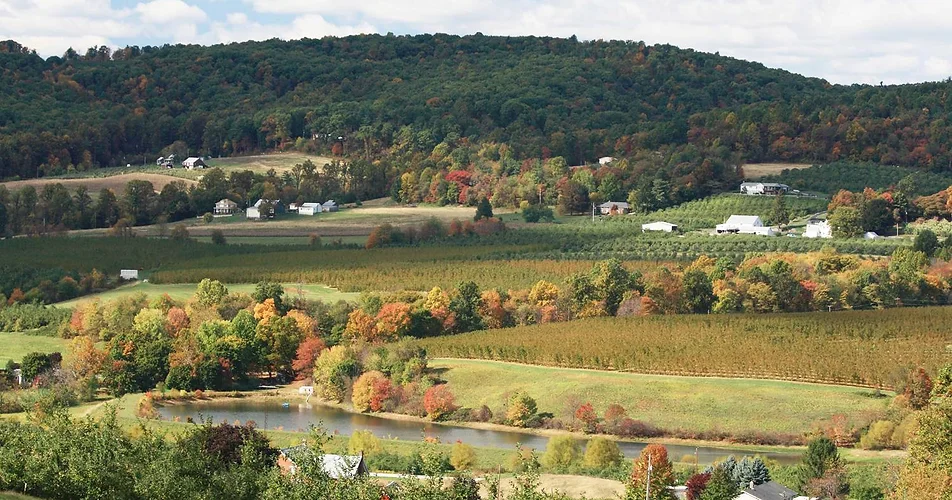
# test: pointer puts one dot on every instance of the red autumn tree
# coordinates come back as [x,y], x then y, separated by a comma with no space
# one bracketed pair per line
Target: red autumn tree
[382,391]
[371,389]
[177,320]
[438,402]
[15,296]
[307,353]
[587,416]
[919,388]
[696,484]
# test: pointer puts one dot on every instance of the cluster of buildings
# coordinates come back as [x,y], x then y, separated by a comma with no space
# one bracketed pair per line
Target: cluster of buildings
[267,209]
[190,163]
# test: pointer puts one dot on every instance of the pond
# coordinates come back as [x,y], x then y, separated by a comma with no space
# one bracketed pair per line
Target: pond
[299,417]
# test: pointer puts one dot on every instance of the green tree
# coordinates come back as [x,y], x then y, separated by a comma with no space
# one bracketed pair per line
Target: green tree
[611,281]
[561,452]
[483,210]
[926,242]
[139,202]
[845,222]
[465,306]
[697,290]
[210,293]
[363,442]
[779,214]
[821,457]
[34,364]
[602,453]
[462,456]
[721,486]
[179,233]
[265,290]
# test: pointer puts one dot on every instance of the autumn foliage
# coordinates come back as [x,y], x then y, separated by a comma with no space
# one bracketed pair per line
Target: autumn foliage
[439,402]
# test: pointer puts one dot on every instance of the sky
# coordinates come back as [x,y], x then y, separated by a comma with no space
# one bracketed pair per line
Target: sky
[842,41]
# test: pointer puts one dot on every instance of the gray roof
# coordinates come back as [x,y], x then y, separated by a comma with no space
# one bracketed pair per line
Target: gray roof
[771,490]
[619,204]
[335,466]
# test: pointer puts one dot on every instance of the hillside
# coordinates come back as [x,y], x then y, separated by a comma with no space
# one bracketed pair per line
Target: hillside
[541,96]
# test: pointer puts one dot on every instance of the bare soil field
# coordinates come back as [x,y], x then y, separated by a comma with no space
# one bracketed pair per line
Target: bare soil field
[115,183]
[754,171]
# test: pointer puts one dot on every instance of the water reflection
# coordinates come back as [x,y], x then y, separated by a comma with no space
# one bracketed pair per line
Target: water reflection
[299,417]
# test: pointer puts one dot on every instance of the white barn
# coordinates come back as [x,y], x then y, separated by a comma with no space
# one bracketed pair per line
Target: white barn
[193,162]
[659,226]
[817,228]
[129,274]
[329,206]
[309,208]
[744,224]
[759,188]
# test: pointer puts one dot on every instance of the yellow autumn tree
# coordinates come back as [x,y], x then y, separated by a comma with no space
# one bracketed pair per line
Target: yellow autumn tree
[360,325]
[265,311]
[543,294]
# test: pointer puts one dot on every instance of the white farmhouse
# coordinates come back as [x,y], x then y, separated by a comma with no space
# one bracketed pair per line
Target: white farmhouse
[817,228]
[759,188]
[745,224]
[309,208]
[659,226]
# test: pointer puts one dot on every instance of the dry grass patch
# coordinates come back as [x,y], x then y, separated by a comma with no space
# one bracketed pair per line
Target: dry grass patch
[754,171]
[115,183]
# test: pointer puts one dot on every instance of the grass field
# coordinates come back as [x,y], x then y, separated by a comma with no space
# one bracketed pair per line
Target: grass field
[15,345]
[182,291]
[668,402]
[116,183]
[754,171]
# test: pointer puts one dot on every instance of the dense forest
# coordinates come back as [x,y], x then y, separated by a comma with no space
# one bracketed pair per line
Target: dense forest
[541,97]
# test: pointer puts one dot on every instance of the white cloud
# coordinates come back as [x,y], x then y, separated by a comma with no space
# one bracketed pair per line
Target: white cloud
[170,12]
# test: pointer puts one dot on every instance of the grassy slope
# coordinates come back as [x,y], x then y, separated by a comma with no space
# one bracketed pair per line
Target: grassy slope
[731,405]
[15,345]
[183,291]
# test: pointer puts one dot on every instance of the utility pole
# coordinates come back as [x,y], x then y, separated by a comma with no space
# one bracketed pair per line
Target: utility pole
[648,482]
[593,212]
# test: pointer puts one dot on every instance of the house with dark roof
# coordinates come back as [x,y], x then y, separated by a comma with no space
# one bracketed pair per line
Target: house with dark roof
[771,490]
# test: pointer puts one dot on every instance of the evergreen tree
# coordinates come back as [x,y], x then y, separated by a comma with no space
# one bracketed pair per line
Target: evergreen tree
[779,214]
[484,210]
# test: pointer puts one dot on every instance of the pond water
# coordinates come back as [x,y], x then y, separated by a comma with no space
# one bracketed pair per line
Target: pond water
[299,417]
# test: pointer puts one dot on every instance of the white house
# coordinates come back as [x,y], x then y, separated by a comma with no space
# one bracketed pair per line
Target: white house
[193,162]
[757,188]
[745,224]
[335,466]
[659,226]
[309,208]
[817,228]
[605,160]
[771,490]
[167,162]
[255,212]
[614,207]
[225,206]
[329,206]
[129,274]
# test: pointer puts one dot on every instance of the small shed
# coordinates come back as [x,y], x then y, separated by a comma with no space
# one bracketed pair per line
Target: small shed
[193,162]
[817,228]
[869,235]
[129,274]
[329,206]
[310,208]
[667,227]
[605,160]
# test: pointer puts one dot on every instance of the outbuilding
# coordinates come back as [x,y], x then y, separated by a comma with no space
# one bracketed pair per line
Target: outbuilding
[744,224]
[614,208]
[666,227]
[129,274]
[309,208]
[761,188]
[817,228]
[193,162]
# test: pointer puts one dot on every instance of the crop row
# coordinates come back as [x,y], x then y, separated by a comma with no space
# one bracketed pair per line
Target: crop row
[868,348]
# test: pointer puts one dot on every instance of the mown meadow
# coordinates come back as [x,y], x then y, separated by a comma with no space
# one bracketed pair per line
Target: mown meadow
[866,348]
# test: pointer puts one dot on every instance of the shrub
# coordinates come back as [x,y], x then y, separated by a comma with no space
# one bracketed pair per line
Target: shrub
[520,410]
[561,452]
[218,237]
[879,435]
[462,456]
[602,453]
[363,442]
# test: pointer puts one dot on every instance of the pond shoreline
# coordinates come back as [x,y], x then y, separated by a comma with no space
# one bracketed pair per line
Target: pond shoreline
[285,394]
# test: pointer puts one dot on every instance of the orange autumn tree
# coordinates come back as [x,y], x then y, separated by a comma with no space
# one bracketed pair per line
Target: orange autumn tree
[393,321]
[265,311]
[662,474]
[360,325]
[177,320]
[305,323]
[438,402]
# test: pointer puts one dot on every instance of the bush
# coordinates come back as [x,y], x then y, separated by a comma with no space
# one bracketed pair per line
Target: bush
[363,442]
[536,213]
[561,452]
[879,435]
[218,237]
[462,456]
[602,453]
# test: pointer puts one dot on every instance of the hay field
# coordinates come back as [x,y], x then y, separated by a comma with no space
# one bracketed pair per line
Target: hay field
[754,171]
[115,183]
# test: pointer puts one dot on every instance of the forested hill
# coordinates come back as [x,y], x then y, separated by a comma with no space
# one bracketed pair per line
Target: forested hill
[540,96]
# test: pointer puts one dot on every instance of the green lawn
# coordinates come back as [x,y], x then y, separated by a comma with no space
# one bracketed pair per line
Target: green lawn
[15,345]
[668,402]
[182,291]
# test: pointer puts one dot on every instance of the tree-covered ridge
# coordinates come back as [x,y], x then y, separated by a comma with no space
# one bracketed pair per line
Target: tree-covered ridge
[540,96]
